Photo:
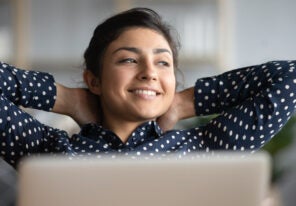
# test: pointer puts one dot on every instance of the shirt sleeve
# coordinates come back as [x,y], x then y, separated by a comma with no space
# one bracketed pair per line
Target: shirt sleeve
[27,88]
[253,104]
[20,133]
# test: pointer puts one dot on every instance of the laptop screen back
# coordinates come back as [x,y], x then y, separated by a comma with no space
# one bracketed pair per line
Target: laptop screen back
[229,180]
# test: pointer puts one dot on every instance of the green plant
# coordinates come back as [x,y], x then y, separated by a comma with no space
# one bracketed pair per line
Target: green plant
[277,144]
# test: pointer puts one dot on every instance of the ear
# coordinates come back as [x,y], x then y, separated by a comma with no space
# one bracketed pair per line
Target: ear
[92,82]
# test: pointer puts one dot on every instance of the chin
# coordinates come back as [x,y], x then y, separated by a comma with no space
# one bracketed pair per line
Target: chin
[145,115]
[147,118]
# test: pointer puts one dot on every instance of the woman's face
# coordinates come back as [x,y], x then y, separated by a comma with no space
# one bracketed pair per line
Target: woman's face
[137,82]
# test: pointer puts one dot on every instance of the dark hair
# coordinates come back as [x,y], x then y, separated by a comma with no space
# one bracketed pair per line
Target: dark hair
[114,26]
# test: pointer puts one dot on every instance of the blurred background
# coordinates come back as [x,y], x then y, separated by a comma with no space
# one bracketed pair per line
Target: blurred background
[216,36]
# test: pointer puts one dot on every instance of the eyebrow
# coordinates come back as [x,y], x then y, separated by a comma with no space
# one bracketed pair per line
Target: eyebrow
[138,51]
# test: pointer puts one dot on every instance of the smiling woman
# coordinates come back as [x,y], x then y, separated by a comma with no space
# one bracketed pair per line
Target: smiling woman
[131,104]
[137,81]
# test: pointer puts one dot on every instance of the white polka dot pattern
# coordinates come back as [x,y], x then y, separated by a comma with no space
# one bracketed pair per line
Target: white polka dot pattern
[252,103]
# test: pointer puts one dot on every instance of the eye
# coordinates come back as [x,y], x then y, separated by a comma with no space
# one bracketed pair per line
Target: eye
[128,60]
[164,63]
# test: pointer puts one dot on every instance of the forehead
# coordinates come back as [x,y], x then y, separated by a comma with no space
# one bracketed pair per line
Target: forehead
[142,38]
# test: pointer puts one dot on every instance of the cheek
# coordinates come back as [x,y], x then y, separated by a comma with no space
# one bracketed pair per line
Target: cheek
[115,81]
[170,83]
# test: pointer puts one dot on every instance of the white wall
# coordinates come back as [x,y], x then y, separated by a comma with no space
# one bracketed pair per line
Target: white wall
[61,30]
[263,30]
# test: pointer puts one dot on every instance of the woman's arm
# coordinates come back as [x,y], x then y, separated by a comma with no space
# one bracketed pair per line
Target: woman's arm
[80,104]
[182,108]
[27,88]
[38,90]
[252,104]
[20,133]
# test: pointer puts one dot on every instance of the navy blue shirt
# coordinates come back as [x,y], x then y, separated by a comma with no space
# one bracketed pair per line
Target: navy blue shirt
[252,103]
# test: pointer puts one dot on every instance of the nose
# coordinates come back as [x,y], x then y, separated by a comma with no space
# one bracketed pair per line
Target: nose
[147,72]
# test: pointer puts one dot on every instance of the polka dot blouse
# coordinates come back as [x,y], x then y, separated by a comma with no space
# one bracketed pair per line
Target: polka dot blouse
[252,104]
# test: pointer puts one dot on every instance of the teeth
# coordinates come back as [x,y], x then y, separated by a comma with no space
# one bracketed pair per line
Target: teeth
[145,92]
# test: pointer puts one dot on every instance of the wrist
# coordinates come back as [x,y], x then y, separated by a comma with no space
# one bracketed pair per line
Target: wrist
[184,103]
[64,98]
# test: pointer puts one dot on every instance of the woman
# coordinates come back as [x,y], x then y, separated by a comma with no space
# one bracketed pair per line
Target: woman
[130,73]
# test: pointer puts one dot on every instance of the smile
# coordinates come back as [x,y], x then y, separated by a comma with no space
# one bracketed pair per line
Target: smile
[145,92]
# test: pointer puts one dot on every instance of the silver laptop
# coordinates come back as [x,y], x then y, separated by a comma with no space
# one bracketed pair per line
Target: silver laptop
[227,179]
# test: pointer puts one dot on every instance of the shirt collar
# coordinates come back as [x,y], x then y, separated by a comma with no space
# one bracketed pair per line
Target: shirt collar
[147,131]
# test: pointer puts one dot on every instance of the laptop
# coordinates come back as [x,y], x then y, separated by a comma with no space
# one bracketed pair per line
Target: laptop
[226,179]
